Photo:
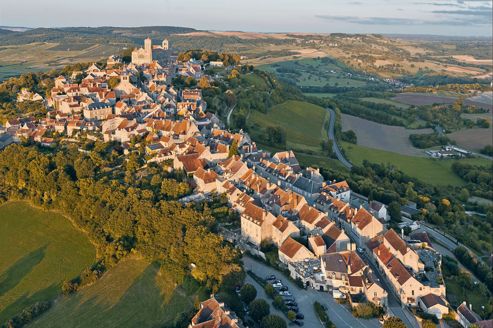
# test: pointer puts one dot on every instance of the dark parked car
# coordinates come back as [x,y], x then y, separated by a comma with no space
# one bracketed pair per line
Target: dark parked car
[290,303]
[298,323]
[284,289]
[300,316]
[293,308]
[271,277]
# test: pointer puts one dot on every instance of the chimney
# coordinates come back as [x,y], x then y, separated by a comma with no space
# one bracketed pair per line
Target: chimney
[402,233]
[470,306]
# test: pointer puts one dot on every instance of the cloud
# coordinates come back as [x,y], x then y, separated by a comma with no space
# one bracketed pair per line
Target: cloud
[393,21]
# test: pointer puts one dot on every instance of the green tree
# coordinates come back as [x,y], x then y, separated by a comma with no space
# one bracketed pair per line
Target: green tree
[233,150]
[259,309]
[113,82]
[394,322]
[395,211]
[248,293]
[269,290]
[291,315]
[464,195]
[273,321]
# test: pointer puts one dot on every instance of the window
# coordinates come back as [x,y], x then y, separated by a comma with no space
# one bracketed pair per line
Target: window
[412,292]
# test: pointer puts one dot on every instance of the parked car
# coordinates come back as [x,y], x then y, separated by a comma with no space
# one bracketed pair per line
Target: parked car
[277,281]
[300,316]
[290,303]
[288,298]
[284,288]
[277,285]
[298,323]
[286,293]
[271,277]
[293,308]
[360,250]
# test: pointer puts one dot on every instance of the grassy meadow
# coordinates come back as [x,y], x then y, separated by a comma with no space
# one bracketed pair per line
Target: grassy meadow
[39,249]
[132,294]
[304,123]
[429,170]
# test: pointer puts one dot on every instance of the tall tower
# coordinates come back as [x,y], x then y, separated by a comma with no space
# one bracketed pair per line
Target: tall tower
[165,44]
[148,49]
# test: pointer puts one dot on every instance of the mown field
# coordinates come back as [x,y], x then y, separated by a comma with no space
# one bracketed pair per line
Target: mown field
[38,250]
[132,294]
[304,123]
[432,171]
[316,72]
[381,136]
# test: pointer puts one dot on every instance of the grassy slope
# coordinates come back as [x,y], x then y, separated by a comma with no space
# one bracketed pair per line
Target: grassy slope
[303,122]
[432,171]
[39,249]
[132,294]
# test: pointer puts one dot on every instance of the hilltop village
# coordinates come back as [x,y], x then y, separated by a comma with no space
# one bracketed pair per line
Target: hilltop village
[326,237]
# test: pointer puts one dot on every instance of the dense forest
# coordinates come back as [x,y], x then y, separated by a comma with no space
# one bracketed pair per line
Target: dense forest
[122,209]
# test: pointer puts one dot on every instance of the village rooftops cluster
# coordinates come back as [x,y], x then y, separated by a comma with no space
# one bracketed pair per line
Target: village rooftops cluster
[313,222]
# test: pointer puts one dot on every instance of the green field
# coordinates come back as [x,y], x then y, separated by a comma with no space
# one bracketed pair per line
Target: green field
[433,171]
[303,122]
[39,249]
[317,73]
[132,294]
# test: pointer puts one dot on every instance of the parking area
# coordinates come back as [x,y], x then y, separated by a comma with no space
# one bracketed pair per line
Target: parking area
[339,315]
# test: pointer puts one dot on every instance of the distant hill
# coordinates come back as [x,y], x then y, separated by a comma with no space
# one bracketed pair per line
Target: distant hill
[92,35]
[5,31]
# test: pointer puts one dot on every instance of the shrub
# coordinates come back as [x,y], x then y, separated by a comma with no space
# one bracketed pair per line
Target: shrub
[248,293]
[273,321]
[322,315]
[367,311]
[259,309]
[394,322]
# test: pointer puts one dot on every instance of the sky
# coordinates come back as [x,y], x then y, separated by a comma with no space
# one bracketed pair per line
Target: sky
[436,17]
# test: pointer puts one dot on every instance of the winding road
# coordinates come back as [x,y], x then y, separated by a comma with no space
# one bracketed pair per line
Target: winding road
[335,146]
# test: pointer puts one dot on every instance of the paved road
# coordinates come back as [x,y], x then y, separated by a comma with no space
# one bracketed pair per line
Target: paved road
[339,315]
[335,146]
[261,294]
[228,118]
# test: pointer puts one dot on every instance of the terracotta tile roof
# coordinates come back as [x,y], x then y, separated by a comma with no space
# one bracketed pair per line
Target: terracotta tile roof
[254,213]
[399,271]
[290,247]
[191,162]
[208,176]
[362,218]
[309,214]
[395,241]
[383,254]
[355,281]
[323,223]
[317,240]
[281,223]
[345,262]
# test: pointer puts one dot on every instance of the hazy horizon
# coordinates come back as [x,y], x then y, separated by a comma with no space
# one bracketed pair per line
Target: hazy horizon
[419,17]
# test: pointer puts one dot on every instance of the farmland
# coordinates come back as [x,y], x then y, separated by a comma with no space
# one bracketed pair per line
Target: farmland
[421,99]
[317,73]
[473,139]
[304,123]
[132,294]
[433,171]
[40,249]
[384,137]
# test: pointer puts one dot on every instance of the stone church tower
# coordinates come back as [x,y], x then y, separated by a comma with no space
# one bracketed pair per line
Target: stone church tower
[143,56]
